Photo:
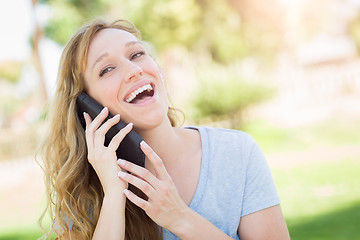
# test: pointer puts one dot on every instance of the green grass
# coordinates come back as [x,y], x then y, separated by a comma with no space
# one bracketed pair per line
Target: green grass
[339,224]
[275,139]
[27,232]
[332,132]
[24,229]
[21,233]
[321,200]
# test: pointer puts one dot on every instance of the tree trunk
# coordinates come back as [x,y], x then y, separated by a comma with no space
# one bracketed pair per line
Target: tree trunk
[37,36]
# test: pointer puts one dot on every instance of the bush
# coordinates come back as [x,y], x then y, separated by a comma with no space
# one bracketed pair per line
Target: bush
[10,71]
[224,95]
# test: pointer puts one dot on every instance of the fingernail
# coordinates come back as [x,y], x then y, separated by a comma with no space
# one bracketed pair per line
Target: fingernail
[116,116]
[84,113]
[143,143]
[126,192]
[104,109]
[130,124]
[121,162]
[121,174]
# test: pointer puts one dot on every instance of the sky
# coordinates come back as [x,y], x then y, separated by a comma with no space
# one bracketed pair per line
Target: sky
[17,20]
[16,24]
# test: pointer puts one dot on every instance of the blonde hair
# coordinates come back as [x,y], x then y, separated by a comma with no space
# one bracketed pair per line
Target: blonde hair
[73,189]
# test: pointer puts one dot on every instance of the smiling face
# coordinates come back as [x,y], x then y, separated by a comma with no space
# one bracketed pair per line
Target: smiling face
[123,77]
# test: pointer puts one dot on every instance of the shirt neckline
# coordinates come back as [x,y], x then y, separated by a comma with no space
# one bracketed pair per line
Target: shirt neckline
[201,186]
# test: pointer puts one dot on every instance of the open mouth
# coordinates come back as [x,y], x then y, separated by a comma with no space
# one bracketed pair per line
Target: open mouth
[141,94]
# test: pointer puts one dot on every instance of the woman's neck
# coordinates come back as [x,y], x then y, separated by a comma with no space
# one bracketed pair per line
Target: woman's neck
[169,143]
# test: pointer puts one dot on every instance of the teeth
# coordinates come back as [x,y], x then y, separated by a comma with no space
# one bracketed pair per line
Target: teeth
[138,91]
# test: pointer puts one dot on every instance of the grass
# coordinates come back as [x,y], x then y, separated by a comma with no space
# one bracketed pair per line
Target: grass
[21,233]
[321,201]
[339,224]
[24,230]
[332,132]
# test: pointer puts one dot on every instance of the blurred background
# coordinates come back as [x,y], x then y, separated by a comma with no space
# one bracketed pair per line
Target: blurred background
[285,71]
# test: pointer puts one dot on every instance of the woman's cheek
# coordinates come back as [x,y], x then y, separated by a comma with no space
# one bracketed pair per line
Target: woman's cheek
[110,96]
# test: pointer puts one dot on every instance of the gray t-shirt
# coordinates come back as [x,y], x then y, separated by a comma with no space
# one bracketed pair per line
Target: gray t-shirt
[234,181]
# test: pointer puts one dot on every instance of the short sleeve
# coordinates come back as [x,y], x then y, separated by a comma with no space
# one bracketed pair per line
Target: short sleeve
[259,191]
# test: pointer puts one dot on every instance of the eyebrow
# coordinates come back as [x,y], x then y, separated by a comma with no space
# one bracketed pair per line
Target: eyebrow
[99,59]
[106,53]
[132,43]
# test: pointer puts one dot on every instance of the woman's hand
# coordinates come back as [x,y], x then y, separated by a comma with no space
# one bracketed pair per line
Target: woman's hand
[164,205]
[103,159]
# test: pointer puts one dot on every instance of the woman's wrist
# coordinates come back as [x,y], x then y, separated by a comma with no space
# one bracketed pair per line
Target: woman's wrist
[183,228]
[115,193]
[194,226]
[114,186]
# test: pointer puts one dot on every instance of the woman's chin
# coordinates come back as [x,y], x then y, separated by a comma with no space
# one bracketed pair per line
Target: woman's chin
[147,124]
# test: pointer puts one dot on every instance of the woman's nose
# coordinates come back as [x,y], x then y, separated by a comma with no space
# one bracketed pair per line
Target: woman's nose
[133,71]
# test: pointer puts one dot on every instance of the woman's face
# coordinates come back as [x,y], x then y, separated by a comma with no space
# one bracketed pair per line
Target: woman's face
[123,77]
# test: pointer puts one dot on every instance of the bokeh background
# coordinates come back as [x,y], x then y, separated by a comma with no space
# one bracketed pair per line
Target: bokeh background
[285,71]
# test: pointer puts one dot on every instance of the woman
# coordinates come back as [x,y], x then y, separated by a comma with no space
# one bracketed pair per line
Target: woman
[198,182]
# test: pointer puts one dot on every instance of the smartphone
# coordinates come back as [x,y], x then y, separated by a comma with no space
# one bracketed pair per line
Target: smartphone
[129,148]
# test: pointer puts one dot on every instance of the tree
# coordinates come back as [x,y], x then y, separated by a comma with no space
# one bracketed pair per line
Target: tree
[69,15]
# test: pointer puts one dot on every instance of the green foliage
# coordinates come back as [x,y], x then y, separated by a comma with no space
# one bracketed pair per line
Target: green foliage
[10,71]
[224,95]
[221,31]
[9,105]
[63,24]
[69,15]
[206,26]
[166,23]
[354,30]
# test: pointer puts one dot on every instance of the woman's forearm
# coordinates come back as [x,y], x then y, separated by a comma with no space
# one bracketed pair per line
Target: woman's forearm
[111,223]
[195,226]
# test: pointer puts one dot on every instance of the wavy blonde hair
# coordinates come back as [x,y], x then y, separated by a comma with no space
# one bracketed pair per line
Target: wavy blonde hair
[73,190]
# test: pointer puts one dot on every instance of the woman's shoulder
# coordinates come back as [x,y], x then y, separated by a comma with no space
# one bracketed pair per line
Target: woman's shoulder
[229,144]
[224,134]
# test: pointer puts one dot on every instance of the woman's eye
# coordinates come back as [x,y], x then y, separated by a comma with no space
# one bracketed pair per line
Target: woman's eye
[137,54]
[105,71]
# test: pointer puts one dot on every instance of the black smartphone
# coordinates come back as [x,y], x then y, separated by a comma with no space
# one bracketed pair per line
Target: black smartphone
[129,148]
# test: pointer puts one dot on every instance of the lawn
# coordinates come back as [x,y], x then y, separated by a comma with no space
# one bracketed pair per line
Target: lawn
[331,132]
[321,200]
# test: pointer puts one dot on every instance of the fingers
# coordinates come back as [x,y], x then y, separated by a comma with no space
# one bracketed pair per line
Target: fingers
[95,133]
[138,171]
[144,186]
[95,130]
[91,126]
[155,161]
[116,140]
[141,203]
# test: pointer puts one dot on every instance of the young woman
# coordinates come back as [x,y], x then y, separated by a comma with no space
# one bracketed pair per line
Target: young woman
[198,182]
